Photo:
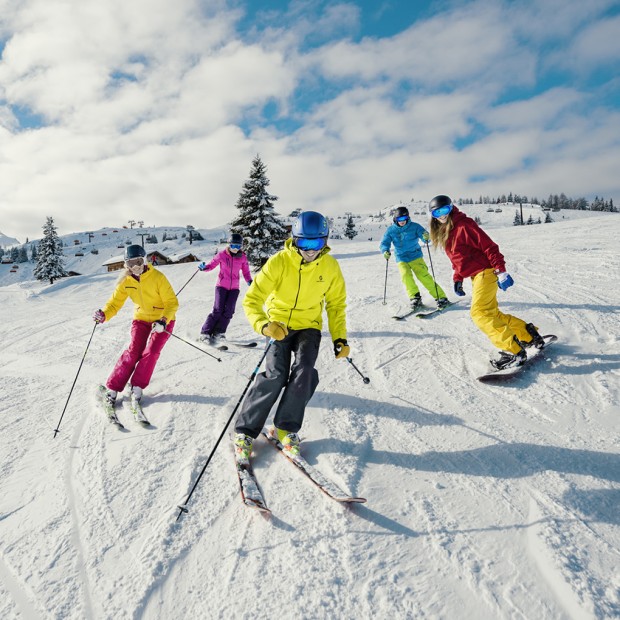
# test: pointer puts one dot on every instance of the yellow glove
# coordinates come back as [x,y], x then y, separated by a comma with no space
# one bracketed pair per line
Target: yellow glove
[387,255]
[275,330]
[341,348]
[425,237]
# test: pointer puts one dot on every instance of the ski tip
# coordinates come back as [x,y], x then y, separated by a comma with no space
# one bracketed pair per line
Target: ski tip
[351,500]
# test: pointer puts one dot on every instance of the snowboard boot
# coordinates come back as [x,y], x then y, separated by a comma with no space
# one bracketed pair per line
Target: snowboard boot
[537,340]
[442,302]
[243,448]
[509,360]
[416,301]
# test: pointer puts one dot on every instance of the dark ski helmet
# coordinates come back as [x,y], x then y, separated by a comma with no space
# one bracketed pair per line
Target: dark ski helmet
[400,212]
[134,251]
[438,202]
[235,239]
[310,225]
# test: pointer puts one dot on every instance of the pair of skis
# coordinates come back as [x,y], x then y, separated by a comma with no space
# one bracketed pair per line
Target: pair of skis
[252,495]
[424,315]
[110,411]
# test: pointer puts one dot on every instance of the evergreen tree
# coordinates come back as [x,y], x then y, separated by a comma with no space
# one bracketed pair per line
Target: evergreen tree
[257,222]
[50,261]
[548,218]
[349,231]
[517,221]
[14,254]
[23,255]
[33,254]
[530,220]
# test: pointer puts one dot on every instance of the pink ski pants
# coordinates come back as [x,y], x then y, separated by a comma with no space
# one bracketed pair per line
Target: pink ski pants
[137,362]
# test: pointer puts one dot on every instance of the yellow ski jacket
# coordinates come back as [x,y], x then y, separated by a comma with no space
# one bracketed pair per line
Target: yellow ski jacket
[293,292]
[152,295]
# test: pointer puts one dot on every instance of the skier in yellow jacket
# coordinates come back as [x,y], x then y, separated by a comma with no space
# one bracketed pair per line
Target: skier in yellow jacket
[153,322]
[285,302]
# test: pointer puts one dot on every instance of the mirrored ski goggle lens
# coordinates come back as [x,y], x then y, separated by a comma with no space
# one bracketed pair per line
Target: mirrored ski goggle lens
[402,218]
[310,244]
[235,246]
[134,262]
[441,211]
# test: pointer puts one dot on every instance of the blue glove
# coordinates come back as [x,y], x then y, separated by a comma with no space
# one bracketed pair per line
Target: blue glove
[202,266]
[458,288]
[504,280]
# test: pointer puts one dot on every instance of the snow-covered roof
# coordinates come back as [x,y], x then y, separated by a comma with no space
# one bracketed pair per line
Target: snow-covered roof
[114,259]
[175,258]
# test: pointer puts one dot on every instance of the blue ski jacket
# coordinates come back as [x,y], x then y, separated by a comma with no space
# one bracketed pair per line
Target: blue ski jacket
[406,240]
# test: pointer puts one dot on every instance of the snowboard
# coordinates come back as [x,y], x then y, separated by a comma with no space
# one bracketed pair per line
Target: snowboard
[507,374]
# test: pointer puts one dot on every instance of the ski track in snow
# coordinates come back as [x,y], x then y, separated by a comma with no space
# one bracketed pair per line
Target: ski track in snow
[483,501]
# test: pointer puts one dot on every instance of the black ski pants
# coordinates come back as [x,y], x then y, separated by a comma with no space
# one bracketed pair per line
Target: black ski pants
[299,382]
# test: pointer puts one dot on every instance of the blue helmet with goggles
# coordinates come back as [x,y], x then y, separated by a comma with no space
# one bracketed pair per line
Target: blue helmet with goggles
[310,231]
[440,205]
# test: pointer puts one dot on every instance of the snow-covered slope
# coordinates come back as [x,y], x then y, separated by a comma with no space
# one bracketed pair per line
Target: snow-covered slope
[483,502]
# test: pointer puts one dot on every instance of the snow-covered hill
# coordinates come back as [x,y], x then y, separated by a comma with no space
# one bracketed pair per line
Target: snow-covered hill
[483,502]
[6,241]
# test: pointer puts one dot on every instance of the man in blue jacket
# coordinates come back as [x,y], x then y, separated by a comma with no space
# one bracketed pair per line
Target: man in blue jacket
[406,237]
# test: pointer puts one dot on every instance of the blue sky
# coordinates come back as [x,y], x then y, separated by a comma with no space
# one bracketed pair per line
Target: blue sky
[157,113]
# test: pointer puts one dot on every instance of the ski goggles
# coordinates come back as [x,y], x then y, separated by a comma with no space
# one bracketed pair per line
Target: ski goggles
[402,218]
[134,262]
[316,244]
[234,246]
[441,211]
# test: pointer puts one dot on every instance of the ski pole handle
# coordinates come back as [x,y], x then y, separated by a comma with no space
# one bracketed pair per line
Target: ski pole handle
[364,379]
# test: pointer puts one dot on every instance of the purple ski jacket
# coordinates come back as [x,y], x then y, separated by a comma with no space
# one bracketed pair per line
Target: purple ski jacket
[230,265]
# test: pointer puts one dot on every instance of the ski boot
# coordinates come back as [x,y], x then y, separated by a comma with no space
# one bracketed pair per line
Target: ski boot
[290,441]
[442,302]
[243,448]
[416,301]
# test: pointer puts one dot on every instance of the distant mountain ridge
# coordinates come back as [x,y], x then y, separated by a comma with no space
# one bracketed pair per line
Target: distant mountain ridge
[6,242]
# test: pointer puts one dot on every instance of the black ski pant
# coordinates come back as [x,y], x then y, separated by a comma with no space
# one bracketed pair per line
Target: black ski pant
[299,382]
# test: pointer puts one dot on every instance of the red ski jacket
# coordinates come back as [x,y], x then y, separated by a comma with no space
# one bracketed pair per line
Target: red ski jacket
[470,249]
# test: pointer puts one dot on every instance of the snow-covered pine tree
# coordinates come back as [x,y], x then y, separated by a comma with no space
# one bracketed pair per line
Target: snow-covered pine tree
[257,222]
[349,231]
[50,260]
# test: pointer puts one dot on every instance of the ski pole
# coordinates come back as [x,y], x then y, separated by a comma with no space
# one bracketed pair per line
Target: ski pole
[193,345]
[56,431]
[387,262]
[365,379]
[195,272]
[430,261]
[183,507]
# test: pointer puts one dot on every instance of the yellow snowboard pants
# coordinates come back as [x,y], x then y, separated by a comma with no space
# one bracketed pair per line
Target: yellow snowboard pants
[419,268]
[500,328]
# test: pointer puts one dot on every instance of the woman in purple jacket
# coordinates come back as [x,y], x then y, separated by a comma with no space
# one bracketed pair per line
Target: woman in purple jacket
[231,261]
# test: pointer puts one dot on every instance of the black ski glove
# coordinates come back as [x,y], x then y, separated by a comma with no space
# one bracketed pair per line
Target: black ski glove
[458,288]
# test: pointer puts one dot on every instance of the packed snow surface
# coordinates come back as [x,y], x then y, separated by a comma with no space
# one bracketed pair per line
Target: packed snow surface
[498,502]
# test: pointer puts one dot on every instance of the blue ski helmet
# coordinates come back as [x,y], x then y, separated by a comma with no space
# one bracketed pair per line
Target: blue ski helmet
[134,251]
[310,225]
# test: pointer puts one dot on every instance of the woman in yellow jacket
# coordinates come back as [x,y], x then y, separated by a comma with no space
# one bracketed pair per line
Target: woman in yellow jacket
[285,302]
[153,322]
